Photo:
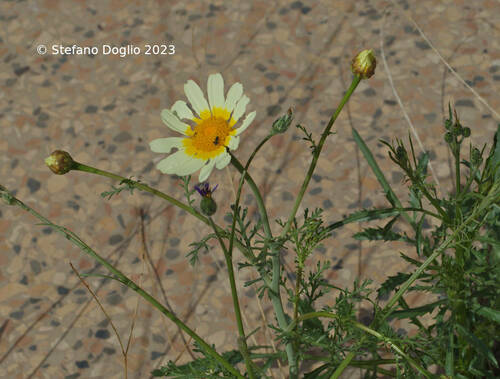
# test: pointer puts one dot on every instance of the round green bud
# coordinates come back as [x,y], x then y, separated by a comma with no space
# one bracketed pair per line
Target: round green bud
[281,124]
[456,129]
[364,64]
[208,206]
[447,124]
[466,132]
[60,162]
[448,137]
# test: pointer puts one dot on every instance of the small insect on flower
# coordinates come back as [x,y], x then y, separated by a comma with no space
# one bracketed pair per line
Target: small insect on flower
[216,140]
[207,204]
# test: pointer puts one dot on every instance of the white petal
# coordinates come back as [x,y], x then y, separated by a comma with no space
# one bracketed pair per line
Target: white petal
[171,164]
[195,97]
[240,107]
[233,95]
[164,145]
[190,166]
[234,143]
[206,170]
[182,110]
[246,123]
[222,160]
[173,122]
[215,88]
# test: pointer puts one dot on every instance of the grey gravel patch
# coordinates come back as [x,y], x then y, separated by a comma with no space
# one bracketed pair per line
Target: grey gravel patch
[18,315]
[109,107]
[33,185]
[158,338]
[366,203]
[172,253]
[102,334]
[464,103]
[287,196]
[211,278]
[369,92]
[272,75]
[114,298]
[156,355]
[21,70]
[273,110]
[91,109]
[315,191]
[327,204]
[422,45]
[430,117]
[73,204]
[115,238]
[122,137]
[82,364]
[35,266]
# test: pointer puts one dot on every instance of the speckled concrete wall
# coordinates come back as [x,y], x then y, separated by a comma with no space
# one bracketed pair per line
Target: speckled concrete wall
[104,109]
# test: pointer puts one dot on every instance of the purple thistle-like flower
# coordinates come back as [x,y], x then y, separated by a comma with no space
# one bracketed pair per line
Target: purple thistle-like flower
[204,189]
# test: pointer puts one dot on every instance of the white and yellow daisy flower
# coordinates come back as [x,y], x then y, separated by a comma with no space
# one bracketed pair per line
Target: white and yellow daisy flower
[204,143]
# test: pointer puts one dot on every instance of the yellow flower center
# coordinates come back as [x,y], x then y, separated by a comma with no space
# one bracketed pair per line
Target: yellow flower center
[210,136]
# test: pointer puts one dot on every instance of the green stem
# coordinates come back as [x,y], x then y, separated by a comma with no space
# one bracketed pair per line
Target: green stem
[237,312]
[457,166]
[11,200]
[274,290]
[317,152]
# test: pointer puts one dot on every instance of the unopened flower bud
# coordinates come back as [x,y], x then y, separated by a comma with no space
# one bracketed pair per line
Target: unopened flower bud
[60,162]
[456,129]
[466,132]
[447,124]
[208,205]
[281,124]
[448,137]
[364,64]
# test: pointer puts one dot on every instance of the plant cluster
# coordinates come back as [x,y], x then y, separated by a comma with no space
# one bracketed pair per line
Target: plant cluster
[456,240]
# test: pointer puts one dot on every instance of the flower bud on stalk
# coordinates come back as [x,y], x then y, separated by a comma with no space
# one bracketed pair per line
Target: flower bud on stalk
[207,204]
[281,124]
[364,64]
[60,162]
